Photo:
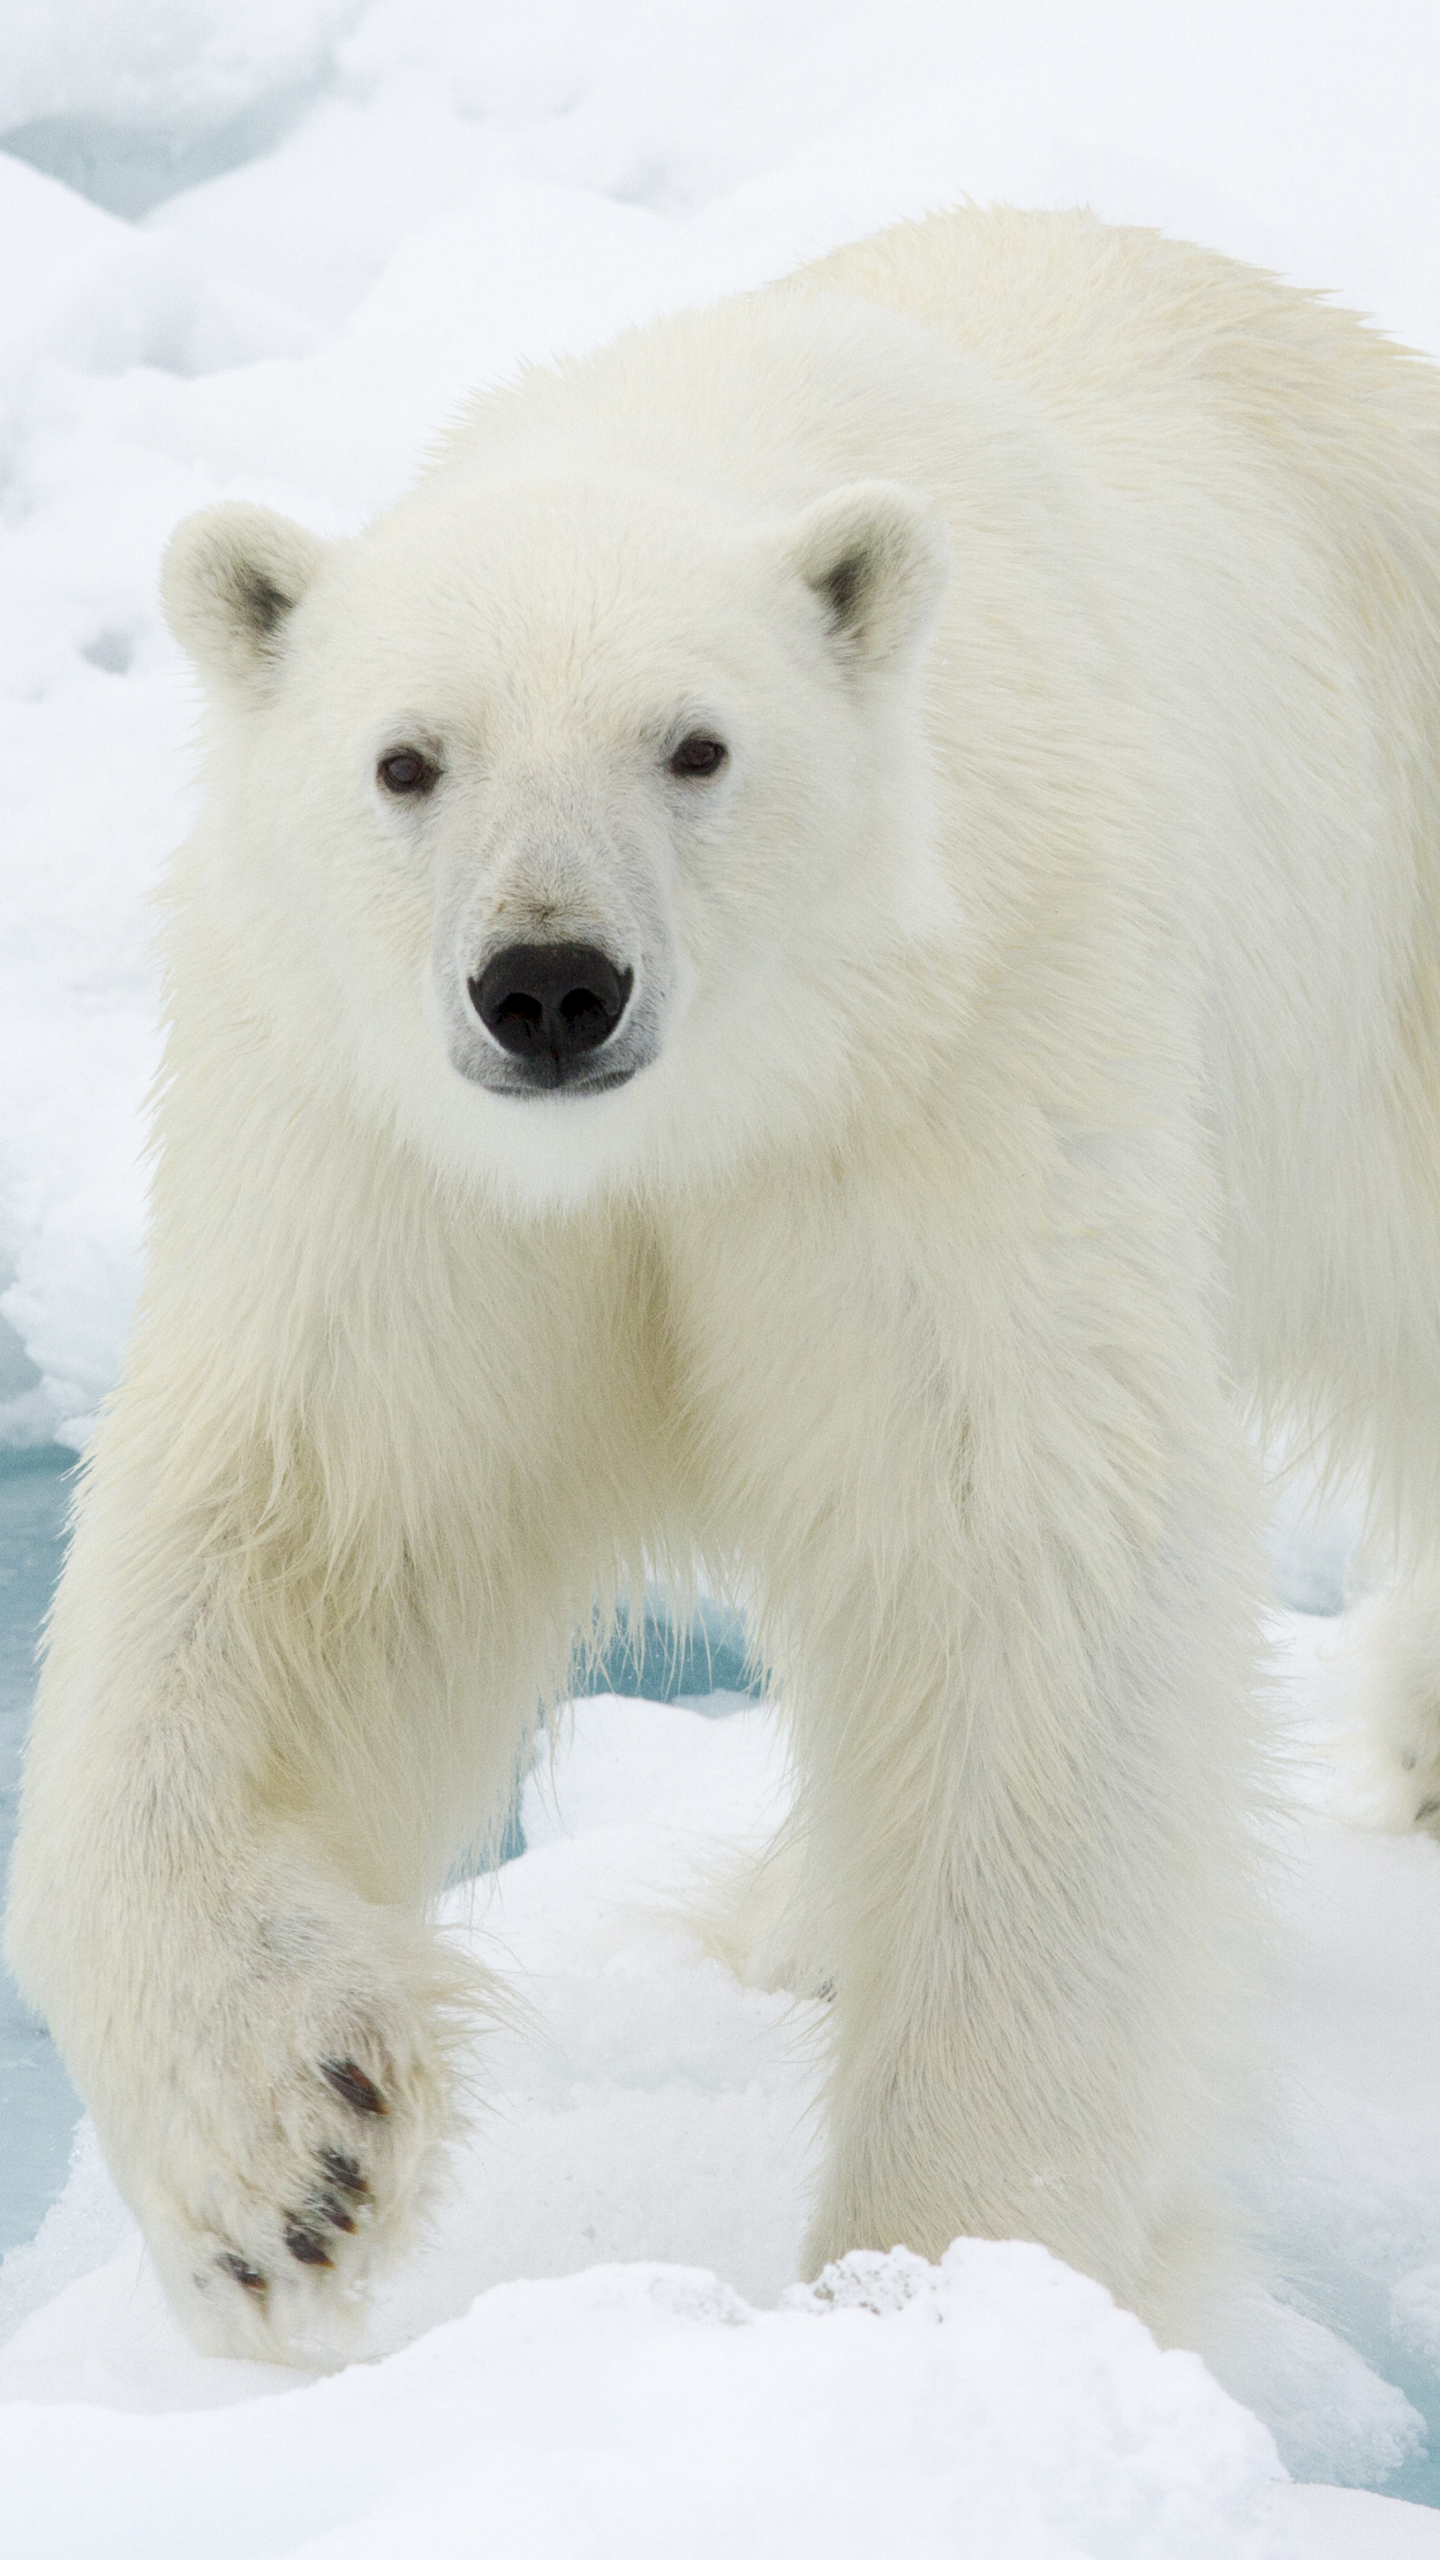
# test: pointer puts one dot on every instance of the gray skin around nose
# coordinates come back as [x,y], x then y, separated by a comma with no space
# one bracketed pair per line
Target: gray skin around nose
[551,1005]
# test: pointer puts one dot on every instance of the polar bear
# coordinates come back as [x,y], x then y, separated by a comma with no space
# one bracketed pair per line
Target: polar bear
[820,962]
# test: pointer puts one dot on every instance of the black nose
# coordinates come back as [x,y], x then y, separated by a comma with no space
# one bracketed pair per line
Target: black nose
[551,1003]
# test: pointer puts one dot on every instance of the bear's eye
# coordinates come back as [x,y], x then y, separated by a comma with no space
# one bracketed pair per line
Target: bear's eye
[699,754]
[407,772]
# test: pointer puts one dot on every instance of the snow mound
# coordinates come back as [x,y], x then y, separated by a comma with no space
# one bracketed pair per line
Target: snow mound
[998,2402]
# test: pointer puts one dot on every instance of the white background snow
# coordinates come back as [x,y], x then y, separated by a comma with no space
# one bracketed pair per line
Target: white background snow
[262,251]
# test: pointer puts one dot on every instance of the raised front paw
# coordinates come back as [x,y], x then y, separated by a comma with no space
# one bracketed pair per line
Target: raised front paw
[300,2151]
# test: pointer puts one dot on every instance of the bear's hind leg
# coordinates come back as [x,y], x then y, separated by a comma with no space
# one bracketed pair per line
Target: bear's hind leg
[1395,1734]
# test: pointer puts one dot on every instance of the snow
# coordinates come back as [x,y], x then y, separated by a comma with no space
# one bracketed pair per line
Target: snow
[264,252]
[1001,2404]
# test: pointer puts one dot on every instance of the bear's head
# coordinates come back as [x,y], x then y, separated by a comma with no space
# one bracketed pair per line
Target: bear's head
[590,815]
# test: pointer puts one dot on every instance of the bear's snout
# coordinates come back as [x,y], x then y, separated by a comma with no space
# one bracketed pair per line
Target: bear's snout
[550,1005]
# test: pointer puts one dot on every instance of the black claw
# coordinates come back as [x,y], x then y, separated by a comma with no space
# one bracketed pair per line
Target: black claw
[355,2086]
[343,2171]
[335,2213]
[1430,1805]
[306,2245]
[231,2264]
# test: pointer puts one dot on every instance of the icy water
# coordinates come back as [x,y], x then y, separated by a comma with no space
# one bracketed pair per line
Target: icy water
[38,2107]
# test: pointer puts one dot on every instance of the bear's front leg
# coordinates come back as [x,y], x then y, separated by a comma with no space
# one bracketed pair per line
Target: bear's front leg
[246,1774]
[1024,1795]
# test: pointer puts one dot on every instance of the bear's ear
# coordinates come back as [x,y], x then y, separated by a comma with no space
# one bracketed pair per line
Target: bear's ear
[878,558]
[230,581]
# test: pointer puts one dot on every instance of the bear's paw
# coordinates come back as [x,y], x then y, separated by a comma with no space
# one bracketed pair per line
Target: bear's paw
[302,2139]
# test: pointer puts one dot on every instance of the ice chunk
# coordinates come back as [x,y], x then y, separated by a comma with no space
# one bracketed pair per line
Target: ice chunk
[1334,2419]
[129,106]
[1415,2313]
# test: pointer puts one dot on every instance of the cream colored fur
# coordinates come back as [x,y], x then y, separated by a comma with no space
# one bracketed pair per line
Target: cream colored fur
[1040,1017]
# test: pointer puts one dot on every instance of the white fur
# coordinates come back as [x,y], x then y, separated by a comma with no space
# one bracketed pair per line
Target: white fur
[1042,1009]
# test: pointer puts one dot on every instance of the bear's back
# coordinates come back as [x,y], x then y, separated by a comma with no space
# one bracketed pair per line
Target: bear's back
[1099,323]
